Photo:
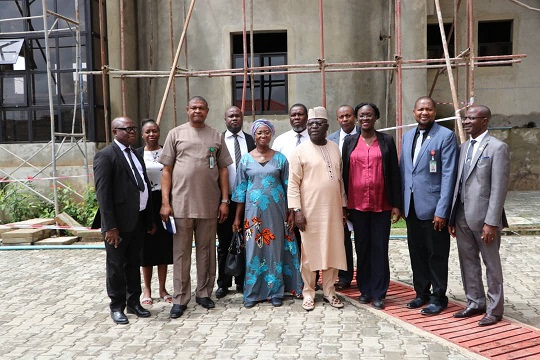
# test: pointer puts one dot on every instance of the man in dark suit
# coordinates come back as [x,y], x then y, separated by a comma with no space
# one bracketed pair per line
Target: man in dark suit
[428,172]
[477,215]
[346,119]
[238,143]
[123,197]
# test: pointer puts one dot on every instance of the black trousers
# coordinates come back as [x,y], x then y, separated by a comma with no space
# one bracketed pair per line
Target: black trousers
[347,276]
[225,233]
[429,250]
[371,236]
[123,269]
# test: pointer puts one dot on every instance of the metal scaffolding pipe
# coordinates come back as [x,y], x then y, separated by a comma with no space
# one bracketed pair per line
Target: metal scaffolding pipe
[104,78]
[322,59]
[122,57]
[244,55]
[399,81]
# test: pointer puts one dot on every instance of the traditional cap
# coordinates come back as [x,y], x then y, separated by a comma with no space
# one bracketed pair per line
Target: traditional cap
[318,112]
[262,122]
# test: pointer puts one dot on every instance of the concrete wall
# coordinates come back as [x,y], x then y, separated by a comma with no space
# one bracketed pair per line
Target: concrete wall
[350,35]
[510,91]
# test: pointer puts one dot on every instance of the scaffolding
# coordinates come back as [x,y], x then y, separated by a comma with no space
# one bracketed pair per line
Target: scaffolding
[61,142]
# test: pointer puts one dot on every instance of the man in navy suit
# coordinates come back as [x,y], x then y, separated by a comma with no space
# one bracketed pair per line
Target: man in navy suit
[124,204]
[347,121]
[428,170]
[238,143]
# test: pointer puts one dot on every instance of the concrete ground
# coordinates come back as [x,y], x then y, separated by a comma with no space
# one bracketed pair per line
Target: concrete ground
[54,306]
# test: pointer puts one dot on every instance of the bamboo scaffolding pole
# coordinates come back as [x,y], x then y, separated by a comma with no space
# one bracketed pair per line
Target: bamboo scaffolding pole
[399,76]
[322,59]
[453,91]
[175,62]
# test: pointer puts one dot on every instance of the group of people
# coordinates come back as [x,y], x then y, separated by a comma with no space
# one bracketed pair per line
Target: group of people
[296,201]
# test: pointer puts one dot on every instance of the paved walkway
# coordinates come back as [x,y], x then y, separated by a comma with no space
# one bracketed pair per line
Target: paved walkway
[54,305]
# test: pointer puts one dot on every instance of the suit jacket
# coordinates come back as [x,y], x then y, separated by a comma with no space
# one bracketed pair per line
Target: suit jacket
[433,190]
[392,177]
[117,192]
[485,185]
[335,135]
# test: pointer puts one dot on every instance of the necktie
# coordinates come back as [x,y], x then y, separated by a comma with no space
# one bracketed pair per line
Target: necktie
[298,137]
[140,183]
[237,153]
[466,167]
[418,146]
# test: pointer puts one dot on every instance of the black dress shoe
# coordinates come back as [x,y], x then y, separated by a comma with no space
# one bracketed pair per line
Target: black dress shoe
[249,304]
[342,285]
[177,311]
[378,304]
[432,309]
[364,299]
[221,292]
[416,303]
[119,317]
[138,310]
[276,302]
[489,320]
[205,302]
[468,312]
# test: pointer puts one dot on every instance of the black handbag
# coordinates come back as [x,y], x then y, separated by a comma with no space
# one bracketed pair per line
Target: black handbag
[236,258]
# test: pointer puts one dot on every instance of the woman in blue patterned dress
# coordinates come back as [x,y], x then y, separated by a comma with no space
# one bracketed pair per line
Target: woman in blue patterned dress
[272,257]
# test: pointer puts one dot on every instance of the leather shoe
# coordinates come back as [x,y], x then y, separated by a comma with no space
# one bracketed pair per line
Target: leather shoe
[177,311]
[276,302]
[221,292]
[378,304]
[342,285]
[489,320]
[364,299]
[119,317]
[468,312]
[205,302]
[138,310]
[416,303]
[249,304]
[432,309]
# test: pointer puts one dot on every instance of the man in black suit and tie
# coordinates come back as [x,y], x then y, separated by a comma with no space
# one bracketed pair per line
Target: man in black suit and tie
[238,143]
[123,197]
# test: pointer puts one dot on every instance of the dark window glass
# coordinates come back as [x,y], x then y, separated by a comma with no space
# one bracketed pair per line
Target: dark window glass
[67,52]
[37,57]
[39,89]
[270,91]
[41,125]
[15,126]
[11,10]
[434,43]
[13,91]
[495,38]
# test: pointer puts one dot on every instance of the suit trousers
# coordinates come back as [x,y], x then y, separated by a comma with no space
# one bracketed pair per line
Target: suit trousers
[429,250]
[123,268]
[470,245]
[225,233]
[371,236]
[346,276]
[204,231]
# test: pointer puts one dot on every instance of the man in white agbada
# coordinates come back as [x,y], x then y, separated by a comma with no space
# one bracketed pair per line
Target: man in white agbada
[317,197]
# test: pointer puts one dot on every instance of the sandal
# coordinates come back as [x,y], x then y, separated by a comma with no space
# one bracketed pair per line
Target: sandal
[167,298]
[308,304]
[334,301]
[147,301]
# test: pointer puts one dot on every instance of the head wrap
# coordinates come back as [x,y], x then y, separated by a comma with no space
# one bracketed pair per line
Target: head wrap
[262,122]
[318,112]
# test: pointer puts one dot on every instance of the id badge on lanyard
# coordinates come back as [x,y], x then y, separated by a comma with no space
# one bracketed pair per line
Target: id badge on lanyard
[432,163]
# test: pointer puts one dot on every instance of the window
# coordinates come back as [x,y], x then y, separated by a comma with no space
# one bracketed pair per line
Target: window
[495,38]
[434,44]
[270,94]
[24,97]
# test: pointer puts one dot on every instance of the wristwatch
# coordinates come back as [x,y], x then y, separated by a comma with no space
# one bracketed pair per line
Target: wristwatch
[297,210]
[226,201]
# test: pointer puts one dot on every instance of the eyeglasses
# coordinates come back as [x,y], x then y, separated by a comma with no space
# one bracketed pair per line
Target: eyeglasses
[129,129]
[316,123]
[472,118]
[366,116]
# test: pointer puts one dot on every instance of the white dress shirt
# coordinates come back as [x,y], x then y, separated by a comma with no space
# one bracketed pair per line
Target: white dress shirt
[285,143]
[342,135]
[229,141]
[143,198]
[479,140]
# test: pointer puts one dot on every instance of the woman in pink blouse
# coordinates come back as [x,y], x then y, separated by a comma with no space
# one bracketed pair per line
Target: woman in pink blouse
[373,186]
